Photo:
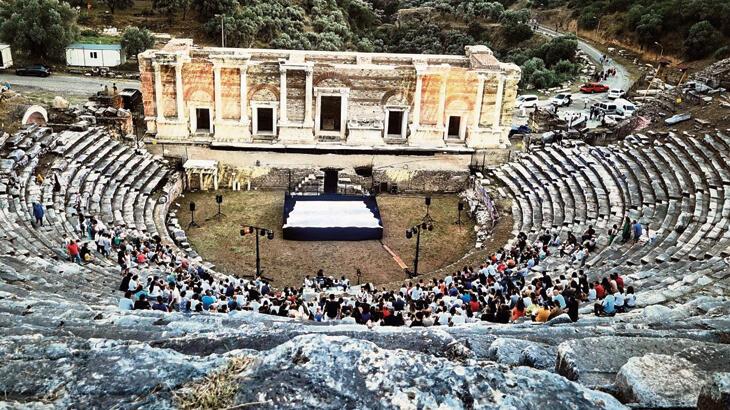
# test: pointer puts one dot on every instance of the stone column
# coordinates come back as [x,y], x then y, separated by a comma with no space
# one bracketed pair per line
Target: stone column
[217,92]
[308,86]
[158,92]
[282,96]
[179,100]
[498,102]
[244,95]
[442,100]
[344,97]
[478,101]
[417,100]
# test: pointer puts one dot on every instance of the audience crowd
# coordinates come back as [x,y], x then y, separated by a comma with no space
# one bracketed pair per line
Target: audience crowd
[508,287]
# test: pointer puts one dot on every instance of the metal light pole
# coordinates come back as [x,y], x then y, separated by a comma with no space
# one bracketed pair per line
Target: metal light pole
[427,224]
[257,231]
[658,67]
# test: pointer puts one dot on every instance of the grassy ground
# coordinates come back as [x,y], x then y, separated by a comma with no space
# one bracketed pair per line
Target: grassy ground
[287,262]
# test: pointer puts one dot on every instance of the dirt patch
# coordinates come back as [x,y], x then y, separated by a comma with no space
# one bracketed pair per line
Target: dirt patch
[287,262]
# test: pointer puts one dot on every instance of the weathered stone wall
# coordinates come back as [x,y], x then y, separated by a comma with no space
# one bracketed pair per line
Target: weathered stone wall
[405,180]
[430,89]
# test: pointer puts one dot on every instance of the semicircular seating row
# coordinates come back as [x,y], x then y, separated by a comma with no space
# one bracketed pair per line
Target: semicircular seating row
[677,185]
[104,177]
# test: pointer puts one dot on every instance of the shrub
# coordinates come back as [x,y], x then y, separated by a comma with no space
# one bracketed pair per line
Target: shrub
[702,39]
[722,53]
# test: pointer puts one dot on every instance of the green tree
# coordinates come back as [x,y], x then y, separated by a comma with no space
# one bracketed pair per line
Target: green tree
[557,49]
[167,8]
[211,8]
[114,5]
[136,40]
[455,40]
[40,28]
[649,28]
[722,53]
[702,40]
[185,6]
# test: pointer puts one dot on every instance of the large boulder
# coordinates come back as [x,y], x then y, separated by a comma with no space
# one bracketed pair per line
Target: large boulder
[518,352]
[72,372]
[595,361]
[715,395]
[507,351]
[330,372]
[539,357]
[659,381]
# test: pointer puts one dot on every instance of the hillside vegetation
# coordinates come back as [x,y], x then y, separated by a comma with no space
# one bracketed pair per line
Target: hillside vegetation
[690,29]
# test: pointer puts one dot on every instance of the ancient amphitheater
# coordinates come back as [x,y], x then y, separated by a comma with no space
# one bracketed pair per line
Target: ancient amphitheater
[66,345]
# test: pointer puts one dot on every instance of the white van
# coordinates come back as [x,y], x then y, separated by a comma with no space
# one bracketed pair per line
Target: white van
[625,108]
[526,101]
[606,107]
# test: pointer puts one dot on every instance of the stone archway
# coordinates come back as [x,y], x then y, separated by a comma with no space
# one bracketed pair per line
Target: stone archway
[35,114]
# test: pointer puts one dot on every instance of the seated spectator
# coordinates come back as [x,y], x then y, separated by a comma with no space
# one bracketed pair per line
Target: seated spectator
[555,310]
[518,311]
[126,303]
[543,314]
[142,303]
[159,305]
[605,308]
[618,303]
[629,299]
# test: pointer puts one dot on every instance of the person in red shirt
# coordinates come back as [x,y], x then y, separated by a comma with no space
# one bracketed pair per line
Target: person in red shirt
[474,305]
[73,251]
[600,291]
[519,310]
[619,281]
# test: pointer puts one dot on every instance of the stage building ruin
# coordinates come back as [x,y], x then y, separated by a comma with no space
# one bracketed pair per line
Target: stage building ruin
[228,97]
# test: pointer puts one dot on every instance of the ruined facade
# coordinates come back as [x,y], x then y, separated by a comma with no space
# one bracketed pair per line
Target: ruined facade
[238,97]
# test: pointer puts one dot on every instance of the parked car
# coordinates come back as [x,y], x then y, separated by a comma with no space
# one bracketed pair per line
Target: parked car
[36,70]
[591,88]
[615,93]
[562,100]
[519,130]
[526,101]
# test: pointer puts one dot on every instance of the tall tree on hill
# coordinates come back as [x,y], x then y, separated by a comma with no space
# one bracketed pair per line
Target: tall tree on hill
[211,8]
[702,40]
[166,8]
[40,28]
[136,40]
[118,4]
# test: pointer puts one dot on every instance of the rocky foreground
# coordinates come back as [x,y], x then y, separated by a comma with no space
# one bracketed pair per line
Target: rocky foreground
[59,352]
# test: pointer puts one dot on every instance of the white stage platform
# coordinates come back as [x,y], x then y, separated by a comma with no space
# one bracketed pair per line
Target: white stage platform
[331,214]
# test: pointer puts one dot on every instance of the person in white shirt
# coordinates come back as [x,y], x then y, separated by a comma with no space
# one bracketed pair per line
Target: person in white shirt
[458,318]
[619,302]
[126,303]
[133,283]
[629,298]
[416,292]
[444,316]
[592,294]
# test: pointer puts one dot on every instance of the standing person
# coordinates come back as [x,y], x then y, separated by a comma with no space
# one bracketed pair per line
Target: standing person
[56,184]
[73,251]
[612,234]
[638,231]
[332,308]
[38,213]
[626,230]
